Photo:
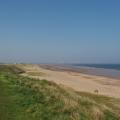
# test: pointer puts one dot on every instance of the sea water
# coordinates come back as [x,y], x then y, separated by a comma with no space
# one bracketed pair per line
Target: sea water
[107,70]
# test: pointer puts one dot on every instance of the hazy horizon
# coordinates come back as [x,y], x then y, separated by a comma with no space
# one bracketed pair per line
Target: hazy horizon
[65,31]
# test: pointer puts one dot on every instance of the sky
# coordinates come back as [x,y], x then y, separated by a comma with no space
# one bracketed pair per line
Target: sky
[60,31]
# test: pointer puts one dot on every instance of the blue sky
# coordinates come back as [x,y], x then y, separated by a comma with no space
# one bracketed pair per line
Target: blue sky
[60,31]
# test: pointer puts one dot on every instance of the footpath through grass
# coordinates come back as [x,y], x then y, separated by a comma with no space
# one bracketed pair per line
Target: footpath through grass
[22,98]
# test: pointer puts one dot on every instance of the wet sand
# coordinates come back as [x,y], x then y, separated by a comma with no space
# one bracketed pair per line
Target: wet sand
[111,73]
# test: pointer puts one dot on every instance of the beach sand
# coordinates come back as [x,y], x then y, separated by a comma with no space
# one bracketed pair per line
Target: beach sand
[76,80]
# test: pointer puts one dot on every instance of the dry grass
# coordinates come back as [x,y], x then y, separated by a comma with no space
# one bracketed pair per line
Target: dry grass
[31,73]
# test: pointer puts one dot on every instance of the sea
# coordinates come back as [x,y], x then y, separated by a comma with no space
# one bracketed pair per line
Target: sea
[107,70]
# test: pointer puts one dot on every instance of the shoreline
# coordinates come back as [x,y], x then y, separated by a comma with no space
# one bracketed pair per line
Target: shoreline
[75,80]
[102,72]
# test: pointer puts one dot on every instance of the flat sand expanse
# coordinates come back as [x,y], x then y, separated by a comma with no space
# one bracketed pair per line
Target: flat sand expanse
[77,81]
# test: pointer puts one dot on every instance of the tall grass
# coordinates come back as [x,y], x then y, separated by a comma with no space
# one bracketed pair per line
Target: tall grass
[25,98]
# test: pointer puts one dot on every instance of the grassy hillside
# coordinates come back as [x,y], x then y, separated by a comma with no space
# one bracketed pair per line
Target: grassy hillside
[22,98]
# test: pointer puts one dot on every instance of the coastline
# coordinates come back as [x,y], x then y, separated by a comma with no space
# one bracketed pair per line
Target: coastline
[104,72]
[74,80]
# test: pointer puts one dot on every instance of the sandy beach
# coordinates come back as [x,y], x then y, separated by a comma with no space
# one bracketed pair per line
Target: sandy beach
[75,79]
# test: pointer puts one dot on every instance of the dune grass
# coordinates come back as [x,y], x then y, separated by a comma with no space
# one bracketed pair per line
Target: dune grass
[23,98]
[36,73]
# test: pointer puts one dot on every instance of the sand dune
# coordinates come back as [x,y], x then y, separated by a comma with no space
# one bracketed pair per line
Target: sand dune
[77,81]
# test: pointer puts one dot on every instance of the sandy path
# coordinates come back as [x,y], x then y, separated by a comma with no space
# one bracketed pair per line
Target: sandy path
[78,81]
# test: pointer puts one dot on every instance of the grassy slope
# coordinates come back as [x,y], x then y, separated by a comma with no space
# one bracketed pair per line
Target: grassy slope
[22,98]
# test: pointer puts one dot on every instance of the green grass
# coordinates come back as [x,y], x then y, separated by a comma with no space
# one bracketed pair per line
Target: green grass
[22,98]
